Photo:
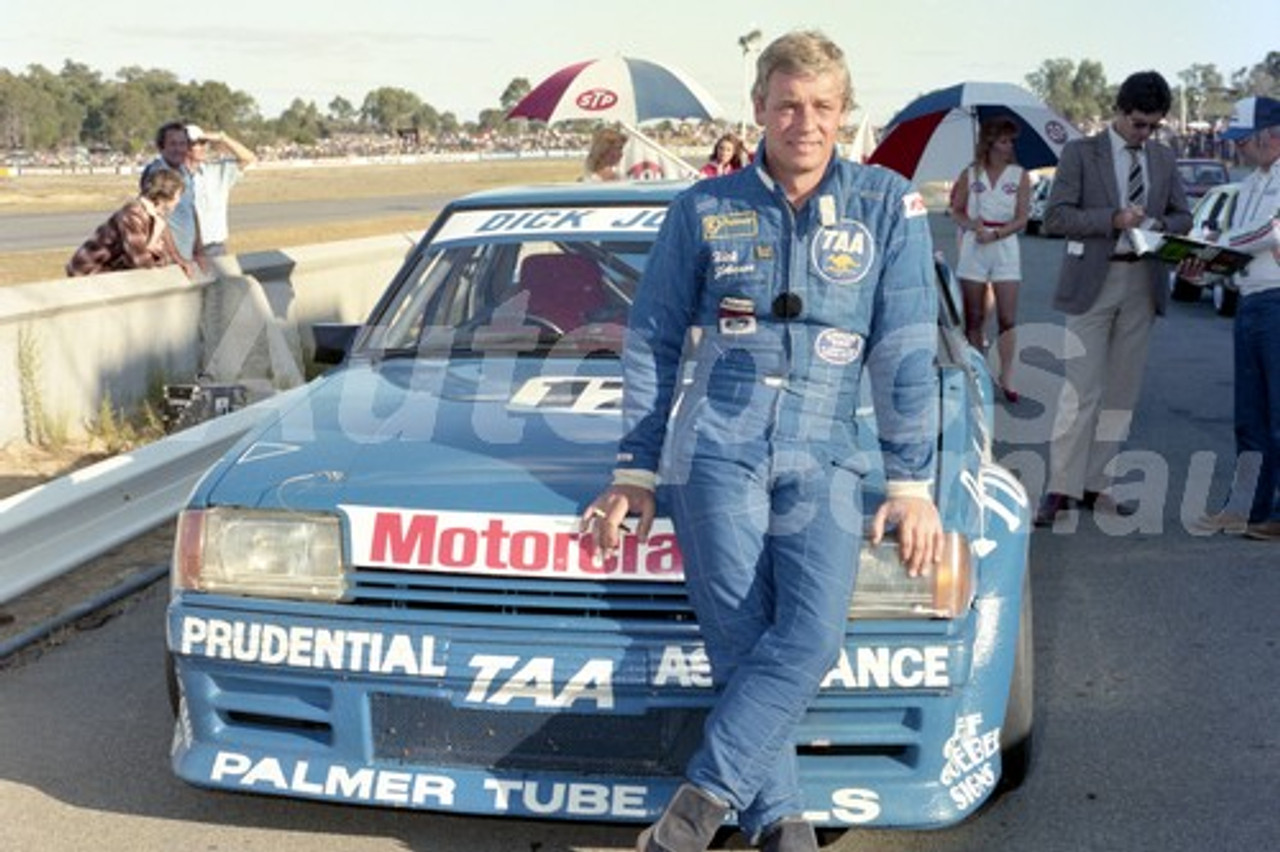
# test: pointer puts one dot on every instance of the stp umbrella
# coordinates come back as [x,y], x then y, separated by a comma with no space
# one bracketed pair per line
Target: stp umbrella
[932,137]
[620,88]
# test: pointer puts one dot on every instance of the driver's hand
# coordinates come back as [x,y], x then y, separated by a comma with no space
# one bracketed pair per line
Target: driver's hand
[920,538]
[603,519]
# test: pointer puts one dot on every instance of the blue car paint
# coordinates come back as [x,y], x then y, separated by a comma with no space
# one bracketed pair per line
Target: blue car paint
[419,672]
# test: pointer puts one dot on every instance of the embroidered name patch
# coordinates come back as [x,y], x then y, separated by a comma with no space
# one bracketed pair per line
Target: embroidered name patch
[725,264]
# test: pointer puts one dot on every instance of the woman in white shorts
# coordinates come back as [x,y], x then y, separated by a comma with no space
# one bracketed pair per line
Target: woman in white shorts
[989,205]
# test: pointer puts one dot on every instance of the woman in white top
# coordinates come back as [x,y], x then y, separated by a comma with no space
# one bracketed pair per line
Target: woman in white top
[989,205]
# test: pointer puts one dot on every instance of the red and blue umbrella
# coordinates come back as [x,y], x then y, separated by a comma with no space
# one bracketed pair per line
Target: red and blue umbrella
[620,88]
[932,138]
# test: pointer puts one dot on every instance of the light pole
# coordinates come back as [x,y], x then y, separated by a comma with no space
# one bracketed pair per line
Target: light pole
[749,43]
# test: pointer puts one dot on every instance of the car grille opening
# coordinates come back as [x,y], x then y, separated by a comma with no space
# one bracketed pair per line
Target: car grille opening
[636,600]
[413,730]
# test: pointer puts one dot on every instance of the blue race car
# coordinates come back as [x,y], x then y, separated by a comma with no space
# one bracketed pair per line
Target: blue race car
[381,595]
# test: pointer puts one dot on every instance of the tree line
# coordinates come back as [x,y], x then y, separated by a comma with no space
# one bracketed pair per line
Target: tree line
[78,107]
[44,111]
[1080,92]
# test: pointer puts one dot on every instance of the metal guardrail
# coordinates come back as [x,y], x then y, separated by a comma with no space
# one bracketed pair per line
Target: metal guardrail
[54,528]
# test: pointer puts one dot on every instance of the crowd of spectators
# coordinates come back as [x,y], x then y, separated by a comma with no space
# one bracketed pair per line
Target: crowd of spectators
[529,140]
[1206,144]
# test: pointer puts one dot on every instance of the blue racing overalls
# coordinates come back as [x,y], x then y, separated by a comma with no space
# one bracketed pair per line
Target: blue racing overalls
[761,472]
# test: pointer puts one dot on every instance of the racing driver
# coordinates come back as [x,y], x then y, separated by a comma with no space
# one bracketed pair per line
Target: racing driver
[791,278]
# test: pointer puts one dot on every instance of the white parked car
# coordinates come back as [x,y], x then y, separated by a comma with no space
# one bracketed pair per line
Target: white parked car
[1038,206]
[1211,213]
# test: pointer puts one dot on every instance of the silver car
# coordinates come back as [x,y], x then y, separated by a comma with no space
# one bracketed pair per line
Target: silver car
[1211,213]
[1038,205]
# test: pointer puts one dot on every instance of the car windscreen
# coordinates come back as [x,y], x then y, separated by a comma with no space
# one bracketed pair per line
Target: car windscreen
[1202,174]
[523,282]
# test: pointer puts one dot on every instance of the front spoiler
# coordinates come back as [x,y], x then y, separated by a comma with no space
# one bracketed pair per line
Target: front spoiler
[925,756]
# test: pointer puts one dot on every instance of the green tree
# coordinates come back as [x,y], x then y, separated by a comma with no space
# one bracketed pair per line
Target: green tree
[1202,93]
[85,87]
[160,88]
[514,93]
[56,116]
[1261,79]
[18,103]
[301,123]
[1080,92]
[215,105]
[342,113]
[389,109]
[130,119]
[492,119]
[426,118]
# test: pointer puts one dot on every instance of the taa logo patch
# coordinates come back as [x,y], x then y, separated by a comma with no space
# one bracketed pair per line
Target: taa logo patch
[843,253]
[837,346]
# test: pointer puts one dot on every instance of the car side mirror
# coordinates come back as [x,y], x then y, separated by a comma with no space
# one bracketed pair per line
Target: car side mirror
[332,341]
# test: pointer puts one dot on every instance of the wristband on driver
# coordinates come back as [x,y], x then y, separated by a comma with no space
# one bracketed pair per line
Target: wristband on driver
[636,477]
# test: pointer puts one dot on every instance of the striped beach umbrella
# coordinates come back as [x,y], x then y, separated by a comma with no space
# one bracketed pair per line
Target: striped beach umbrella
[620,88]
[932,138]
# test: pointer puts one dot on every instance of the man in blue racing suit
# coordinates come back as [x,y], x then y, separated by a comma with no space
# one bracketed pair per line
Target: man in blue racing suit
[790,279]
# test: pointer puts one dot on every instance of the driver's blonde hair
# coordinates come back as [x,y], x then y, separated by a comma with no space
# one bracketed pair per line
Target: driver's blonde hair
[802,52]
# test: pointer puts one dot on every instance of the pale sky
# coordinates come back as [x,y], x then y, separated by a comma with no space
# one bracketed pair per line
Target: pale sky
[459,55]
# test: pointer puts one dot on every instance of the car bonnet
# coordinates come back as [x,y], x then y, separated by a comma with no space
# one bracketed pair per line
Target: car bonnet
[526,435]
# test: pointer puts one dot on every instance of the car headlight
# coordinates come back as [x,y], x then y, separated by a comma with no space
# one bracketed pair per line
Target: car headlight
[883,589]
[266,553]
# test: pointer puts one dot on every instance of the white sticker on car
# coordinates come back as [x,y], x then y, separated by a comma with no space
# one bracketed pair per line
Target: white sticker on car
[571,394]
[549,222]
[505,545]
[968,774]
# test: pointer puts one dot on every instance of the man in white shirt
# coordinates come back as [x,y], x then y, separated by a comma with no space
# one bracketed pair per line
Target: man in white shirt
[1255,228]
[213,178]
[173,146]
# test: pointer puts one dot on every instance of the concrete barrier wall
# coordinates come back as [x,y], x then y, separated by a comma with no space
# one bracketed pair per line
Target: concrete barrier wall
[67,343]
[331,282]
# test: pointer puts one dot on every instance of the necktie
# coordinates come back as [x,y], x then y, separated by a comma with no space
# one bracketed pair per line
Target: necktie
[1137,189]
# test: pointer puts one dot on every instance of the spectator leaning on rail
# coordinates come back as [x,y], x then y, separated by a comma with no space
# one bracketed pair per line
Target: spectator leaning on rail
[135,237]
[213,178]
[795,276]
[172,143]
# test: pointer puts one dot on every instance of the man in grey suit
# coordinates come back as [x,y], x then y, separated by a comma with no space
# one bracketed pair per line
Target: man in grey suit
[1105,184]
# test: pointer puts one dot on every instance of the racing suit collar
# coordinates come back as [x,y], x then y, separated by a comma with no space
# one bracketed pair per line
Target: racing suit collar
[772,185]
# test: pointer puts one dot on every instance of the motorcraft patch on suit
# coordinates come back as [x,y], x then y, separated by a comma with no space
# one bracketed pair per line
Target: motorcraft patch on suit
[730,226]
[843,254]
[837,346]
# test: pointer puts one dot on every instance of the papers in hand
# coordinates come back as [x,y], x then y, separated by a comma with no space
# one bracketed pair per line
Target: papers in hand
[1175,248]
